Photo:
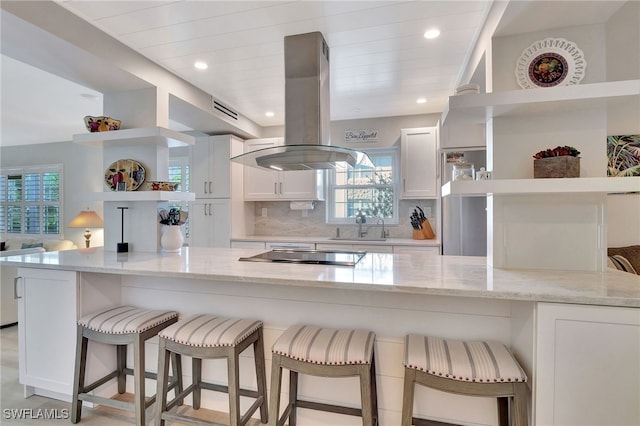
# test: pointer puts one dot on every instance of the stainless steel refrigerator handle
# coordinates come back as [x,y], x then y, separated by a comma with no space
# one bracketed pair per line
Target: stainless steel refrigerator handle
[15,288]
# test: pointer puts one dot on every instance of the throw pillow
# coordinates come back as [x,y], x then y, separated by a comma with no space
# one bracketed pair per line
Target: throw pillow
[29,245]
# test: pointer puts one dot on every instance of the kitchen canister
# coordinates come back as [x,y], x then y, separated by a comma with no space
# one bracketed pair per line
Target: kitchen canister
[483,174]
[463,171]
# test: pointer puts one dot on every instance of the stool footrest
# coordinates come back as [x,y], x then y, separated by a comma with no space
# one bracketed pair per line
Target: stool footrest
[225,389]
[424,422]
[122,405]
[329,407]
[180,397]
[186,419]
[100,382]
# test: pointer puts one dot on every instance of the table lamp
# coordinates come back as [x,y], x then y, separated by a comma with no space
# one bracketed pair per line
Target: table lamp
[87,219]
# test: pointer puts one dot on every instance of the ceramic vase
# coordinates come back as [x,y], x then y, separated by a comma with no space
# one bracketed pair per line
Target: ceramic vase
[172,238]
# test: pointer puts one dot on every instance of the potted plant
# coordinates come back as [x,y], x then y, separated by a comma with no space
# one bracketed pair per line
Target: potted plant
[172,238]
[558,162]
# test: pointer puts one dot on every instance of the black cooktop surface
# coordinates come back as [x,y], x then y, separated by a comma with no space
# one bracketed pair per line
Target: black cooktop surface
[317,257]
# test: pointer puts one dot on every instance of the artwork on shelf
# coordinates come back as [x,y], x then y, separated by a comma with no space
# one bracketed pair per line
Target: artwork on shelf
[623,154]
[550,62]
[130,172]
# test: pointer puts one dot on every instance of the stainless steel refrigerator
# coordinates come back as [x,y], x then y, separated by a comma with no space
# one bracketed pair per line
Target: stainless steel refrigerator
[464,219]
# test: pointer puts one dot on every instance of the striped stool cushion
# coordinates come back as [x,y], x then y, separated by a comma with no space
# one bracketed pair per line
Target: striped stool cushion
[459,360]
[209,331]
[325,345]
[125,320]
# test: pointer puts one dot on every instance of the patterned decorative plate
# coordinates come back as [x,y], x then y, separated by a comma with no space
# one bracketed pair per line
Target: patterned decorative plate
[124,175]
[550,62]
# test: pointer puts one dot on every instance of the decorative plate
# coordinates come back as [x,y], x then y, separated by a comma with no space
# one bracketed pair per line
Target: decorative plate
[550,62]
[124,175]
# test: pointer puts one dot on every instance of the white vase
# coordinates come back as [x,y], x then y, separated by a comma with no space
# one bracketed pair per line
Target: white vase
[172,238]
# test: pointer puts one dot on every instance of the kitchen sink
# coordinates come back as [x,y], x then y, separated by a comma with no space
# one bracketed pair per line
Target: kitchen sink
[357,239]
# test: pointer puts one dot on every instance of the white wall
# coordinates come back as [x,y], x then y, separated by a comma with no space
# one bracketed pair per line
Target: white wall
[82,174]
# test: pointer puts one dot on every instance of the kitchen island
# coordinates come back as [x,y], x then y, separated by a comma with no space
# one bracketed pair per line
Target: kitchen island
[566,328]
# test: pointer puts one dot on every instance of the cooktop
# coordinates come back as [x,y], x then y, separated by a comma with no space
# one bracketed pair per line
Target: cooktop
[317,257]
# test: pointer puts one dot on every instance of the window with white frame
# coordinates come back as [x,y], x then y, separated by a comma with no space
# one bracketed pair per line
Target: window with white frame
[370,190]
[179,173]
[31,200]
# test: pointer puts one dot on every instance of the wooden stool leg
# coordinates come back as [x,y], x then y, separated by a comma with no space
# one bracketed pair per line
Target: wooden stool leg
[176,365]
[78,380]
[196,367]
[520,416]
[365,395]
[121,357]
[233,386]
[276,388]
[162,382]
[261,376]
[138,380]
[374,390]
[407,396]
[293,397]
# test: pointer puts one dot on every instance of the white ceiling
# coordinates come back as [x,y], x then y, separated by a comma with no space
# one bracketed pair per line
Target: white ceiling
[380,61]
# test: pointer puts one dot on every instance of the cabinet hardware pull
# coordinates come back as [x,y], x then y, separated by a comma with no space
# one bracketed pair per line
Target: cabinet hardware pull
[204,207]
[275,188]
[280,188]
[209,209]
[210,192]
[205,187]
[15,288]
[404,184]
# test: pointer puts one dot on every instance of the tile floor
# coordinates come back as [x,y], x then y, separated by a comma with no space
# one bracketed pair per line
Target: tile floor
[12,401]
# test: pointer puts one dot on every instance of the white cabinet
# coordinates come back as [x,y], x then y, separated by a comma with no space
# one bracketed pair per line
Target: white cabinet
[587,370]
[47,315]
[264,185]
[210,168]
[209,223]
[418,151]
[357,247]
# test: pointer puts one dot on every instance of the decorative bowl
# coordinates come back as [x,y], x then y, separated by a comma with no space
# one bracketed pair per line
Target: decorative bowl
[101,123]
[156,185]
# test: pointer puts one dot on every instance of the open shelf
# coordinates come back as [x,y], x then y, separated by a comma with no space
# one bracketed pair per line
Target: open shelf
[542,186]
[477,108]
[149,135]
[141,196]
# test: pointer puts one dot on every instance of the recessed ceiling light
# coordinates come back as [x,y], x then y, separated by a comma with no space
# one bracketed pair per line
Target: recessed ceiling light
[432,33]
[269,113]
[421,100]
[201,65]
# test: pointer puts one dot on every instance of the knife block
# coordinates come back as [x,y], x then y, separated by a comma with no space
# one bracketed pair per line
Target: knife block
[426,233]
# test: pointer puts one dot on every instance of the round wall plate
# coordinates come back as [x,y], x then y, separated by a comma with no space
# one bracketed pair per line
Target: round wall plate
[124,175]
[550,62]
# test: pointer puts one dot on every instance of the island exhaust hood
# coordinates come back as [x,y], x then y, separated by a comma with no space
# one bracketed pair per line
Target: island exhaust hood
[307,134]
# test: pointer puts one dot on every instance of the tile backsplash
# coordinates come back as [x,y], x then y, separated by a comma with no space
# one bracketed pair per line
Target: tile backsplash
[280,220]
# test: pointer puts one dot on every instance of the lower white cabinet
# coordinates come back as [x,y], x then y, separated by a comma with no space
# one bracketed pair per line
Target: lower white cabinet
[588,365]
[47,315]
[209,223]
[357,247]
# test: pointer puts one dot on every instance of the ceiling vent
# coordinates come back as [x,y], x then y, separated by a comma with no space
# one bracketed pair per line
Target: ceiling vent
[218,106]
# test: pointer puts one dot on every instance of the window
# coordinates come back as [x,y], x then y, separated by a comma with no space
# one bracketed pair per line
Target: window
[370,190]
[31,200]
[179,172]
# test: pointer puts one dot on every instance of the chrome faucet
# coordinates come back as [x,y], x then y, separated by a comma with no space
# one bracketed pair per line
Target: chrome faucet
[360,219]
[383,234]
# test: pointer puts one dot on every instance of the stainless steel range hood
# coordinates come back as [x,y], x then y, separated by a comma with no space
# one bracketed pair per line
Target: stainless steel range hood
[307,132]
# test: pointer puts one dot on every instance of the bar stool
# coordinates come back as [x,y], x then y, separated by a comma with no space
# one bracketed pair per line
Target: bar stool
[466,368]
[207,337]
[323,352]
[119,326]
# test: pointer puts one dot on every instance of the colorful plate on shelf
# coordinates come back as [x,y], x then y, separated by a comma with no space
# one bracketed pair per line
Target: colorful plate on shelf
[550,62]
[124,175]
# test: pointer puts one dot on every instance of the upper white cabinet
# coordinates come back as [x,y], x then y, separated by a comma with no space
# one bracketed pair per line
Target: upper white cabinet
[211,170]
[418,150]
[264,185]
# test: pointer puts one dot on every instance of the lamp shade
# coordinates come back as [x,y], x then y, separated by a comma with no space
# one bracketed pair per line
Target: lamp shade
[87,219]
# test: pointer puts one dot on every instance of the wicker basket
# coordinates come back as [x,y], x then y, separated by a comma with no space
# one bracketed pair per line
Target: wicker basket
[565,166]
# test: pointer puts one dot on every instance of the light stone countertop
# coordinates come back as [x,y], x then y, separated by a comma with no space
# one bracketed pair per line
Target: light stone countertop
[407,273]
[327,240]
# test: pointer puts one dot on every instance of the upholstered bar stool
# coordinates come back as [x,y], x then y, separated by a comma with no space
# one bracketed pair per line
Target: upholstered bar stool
[466,368]
[120,326]
[325,352]
[208,337]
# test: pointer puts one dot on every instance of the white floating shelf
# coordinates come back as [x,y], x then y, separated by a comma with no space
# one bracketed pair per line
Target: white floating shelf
[477,108]
[542,186]
[150,135]
[141,196]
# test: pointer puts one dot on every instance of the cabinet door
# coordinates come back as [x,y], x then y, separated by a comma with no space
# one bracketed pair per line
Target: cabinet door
[210,223]
[201,182]
[587,370]
[47,315]
[220,166]
[419,164]
[261,184]
[300,185]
